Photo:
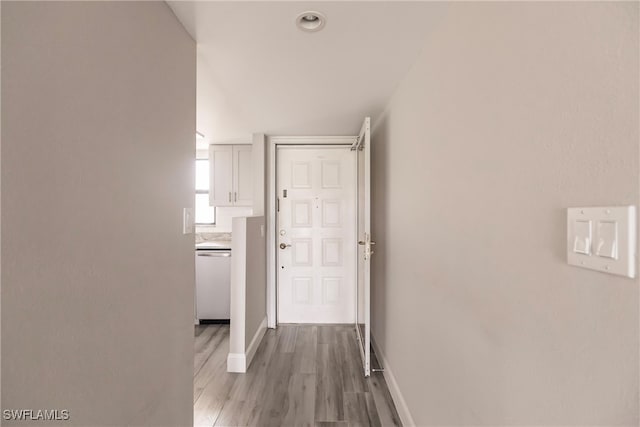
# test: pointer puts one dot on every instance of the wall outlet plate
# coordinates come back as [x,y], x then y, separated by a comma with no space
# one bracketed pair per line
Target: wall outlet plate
[603,239]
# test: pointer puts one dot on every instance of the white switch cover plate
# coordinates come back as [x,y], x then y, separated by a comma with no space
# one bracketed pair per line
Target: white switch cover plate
[603,239]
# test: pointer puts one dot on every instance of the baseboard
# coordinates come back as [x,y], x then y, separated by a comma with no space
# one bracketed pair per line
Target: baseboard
[396,395]
[236,362]
[256,340]
[239,362]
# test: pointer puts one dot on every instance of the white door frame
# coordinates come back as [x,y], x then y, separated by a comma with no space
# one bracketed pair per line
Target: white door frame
[273,143]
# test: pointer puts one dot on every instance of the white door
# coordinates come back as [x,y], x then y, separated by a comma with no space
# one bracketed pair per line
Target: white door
[316,234]
[221,176]
[365,244]
[242,175]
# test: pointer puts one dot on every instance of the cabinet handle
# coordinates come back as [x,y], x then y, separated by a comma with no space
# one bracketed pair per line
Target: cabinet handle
[215,255]
[229,196]
[235,197]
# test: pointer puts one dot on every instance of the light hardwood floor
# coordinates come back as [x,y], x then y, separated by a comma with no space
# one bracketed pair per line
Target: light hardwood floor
[302,375]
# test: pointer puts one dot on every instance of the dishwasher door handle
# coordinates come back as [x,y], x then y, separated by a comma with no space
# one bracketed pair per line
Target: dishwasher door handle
[214,254]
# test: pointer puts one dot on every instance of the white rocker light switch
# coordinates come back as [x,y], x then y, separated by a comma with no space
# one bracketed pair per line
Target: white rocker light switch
[607,239]
[582,237]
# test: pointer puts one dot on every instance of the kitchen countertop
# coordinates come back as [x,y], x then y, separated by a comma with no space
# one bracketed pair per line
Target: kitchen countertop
[214,244]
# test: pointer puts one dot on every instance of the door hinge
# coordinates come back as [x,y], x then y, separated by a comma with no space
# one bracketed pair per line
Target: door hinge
[277,205]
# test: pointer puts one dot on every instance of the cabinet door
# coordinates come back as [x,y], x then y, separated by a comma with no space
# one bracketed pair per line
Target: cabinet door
[242,176]
[221,175]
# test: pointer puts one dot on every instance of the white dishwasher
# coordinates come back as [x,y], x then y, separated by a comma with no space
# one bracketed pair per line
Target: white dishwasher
[213,283]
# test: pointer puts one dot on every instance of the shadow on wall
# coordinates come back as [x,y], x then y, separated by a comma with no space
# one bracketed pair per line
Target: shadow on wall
[380,286]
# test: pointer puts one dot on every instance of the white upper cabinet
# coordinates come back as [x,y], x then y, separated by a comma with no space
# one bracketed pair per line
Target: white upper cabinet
[242,177]
[221,175]
[231,179]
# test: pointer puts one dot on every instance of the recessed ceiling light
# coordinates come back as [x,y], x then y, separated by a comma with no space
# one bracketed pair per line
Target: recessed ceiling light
[311,21]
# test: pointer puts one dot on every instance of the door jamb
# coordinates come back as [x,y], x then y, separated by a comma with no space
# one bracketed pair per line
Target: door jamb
[273,143]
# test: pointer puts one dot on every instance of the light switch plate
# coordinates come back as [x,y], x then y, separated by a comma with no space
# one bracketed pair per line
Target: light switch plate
[603,239]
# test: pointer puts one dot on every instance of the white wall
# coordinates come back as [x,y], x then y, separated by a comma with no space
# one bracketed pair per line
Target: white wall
[512,113]
[256,302]
[97,163]
[248,291]
[258,154]
[224,219]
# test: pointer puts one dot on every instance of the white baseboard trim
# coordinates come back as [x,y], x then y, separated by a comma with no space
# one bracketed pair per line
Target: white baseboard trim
[236,362]
[239,362]
[256,340]
[396,394]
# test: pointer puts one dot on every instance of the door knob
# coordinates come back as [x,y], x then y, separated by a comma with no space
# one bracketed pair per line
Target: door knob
[284,246]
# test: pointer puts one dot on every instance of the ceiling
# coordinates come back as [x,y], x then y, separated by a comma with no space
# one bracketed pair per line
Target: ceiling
[258,73]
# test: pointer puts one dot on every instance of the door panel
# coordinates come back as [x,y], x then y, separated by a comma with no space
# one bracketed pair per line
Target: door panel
[316,235]
[221,176]
[365,244]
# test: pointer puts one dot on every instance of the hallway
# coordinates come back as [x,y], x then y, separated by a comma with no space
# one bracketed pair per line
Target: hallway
[301,375]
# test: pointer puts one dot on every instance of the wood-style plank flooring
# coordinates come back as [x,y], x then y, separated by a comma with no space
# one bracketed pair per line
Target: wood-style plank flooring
[301,375]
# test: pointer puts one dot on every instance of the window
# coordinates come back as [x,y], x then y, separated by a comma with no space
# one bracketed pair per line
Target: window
[205,214]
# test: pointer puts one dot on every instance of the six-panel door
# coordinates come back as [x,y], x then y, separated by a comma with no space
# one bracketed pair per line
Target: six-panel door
[316,235]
